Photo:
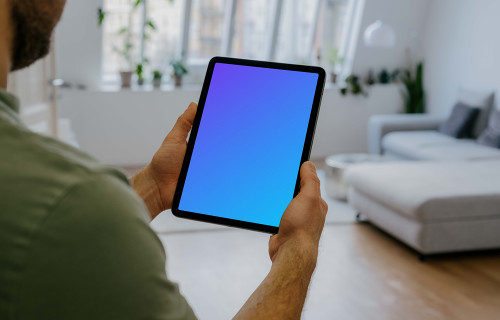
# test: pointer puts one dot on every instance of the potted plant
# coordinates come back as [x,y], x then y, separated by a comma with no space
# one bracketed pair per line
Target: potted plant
[139,70]
[157,78]
[353,86]
[334,61]
[414,94]
[178,71]
[126,62]
[125,47]
[384,77]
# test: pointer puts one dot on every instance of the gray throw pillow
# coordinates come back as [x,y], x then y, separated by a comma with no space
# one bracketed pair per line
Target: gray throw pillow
[479,99]
[460,122]
[491,135]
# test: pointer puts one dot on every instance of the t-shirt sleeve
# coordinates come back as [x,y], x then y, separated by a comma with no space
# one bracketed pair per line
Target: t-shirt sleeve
[95,257]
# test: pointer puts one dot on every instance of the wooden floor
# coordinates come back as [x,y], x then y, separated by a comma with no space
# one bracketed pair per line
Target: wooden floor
[381,279]
[362,274]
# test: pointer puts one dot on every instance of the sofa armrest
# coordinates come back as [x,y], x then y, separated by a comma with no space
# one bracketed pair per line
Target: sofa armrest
[380,125]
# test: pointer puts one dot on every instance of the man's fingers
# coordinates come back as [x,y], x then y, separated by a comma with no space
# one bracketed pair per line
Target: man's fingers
[309,181]
[183,125]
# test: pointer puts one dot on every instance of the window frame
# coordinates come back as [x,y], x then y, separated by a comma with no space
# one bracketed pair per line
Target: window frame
[347,49]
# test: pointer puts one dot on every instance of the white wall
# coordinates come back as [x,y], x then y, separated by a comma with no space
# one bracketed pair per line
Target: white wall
[407,18]
[462,50]
[127,128]
[78,41]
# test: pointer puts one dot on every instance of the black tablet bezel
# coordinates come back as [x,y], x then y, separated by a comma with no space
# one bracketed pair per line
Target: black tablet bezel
[189,152]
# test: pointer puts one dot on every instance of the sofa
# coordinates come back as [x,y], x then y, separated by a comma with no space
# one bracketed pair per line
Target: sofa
[415,137]
[439,195]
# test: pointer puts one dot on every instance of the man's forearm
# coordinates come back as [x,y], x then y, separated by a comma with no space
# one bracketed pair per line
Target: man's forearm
[282,293]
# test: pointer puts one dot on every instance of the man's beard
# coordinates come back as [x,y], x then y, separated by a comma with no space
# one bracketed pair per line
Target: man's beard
[32,33]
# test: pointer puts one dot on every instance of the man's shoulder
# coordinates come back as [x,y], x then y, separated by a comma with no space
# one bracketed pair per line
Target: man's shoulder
[37,166]
[95,257]
[58,202]
[39,174]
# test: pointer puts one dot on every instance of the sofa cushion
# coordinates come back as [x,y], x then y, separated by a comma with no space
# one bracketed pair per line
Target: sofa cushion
[463,150]
[482,100]
[432,191]
[460,122]
[491,135]
[406,144]
[432,145]
[415,139]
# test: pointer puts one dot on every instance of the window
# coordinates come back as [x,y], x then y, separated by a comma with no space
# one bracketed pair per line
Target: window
[205,36]
[163,43]
[296,31]
[253,21]
[293,31]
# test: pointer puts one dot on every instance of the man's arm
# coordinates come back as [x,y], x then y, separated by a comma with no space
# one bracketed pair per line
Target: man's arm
[282,293]
[293,251]
[156,183]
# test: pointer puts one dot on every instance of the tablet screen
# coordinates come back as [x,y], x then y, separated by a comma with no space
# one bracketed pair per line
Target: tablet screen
[248,147]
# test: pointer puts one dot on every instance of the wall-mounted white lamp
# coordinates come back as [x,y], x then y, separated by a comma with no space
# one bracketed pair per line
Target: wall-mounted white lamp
[379,34]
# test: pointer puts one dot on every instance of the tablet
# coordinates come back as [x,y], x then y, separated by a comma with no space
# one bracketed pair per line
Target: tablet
[253,129]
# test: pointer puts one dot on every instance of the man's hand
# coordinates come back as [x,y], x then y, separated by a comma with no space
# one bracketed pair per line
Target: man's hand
[294,252]
[304,218]
[156,183]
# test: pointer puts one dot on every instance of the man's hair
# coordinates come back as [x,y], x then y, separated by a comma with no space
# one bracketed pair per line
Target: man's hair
[32,25]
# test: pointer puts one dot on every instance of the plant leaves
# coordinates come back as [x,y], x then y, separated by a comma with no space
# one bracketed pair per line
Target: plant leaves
[151,24]
[413,95]
[101,15]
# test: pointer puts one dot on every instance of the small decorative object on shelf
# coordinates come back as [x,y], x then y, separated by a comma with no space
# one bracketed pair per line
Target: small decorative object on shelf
[334,61]
[384,77]
[157,78]
[395,75]
[370,78]
[353,86]
[178,71]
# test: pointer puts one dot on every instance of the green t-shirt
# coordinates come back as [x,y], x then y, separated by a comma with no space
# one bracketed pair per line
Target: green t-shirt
[75,241]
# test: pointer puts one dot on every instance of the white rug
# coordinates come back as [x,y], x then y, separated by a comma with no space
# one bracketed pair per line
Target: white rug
[338,212]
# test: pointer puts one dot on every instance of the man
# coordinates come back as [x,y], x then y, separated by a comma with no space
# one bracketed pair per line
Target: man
[75,241]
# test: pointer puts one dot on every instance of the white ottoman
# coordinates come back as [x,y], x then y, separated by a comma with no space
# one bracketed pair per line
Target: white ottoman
[433,207]
[336,166]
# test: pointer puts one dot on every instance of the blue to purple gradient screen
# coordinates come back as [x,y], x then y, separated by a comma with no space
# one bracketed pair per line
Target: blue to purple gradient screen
[247,153]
